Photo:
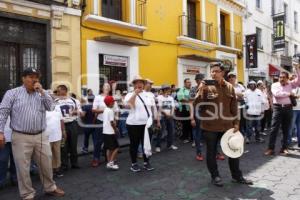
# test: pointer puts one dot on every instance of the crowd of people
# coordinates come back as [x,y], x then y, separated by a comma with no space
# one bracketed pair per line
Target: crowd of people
[42,127]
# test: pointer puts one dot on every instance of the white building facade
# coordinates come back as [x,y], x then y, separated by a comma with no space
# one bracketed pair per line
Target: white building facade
[259,19]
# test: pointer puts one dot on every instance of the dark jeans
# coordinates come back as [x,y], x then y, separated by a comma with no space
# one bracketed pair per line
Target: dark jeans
[87,133]
[198,136]
[122,124]
[243,122]
[281,116]
[70,145]
[212,139]
[5,157]
[98,140]
[167,124]
[136,136]
[266,120]
[295,124]
[253,122]
[186,125]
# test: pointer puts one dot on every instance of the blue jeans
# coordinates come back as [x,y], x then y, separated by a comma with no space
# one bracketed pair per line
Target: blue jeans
[197,135]
[122,124]
[295,123]
[98,140]
[5,156]
[168,124]
[254,122]
[87,133]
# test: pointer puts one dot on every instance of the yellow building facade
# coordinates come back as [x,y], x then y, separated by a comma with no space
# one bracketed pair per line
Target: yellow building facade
[43,35]
[166,41]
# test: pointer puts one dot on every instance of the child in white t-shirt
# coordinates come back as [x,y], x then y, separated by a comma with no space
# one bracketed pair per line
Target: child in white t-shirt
[110,133]
[56,133]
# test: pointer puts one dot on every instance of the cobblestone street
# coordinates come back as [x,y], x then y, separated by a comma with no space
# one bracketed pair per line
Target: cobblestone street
[178,176]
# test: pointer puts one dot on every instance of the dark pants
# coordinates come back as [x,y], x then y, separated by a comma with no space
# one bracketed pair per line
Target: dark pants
[168,125]
[136,136]
[5,157]
[253,122]
[186,125]
[266,120]
[70,146]
[98,140]
[281,116]
[243,124]
[198,135]
[212,139]
[87,133]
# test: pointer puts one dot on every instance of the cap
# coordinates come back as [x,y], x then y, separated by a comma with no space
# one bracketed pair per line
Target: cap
[124,92]
[30,71]
[108,100]
[231,74]
[199,76]
[165,86]
[260,82]
[252,82]
[138,78]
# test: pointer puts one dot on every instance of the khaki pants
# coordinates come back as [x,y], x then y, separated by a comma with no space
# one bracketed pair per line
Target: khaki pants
[37,147]
[56,160]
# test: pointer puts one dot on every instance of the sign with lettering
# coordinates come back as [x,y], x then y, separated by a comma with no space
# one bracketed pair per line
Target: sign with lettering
[251,51]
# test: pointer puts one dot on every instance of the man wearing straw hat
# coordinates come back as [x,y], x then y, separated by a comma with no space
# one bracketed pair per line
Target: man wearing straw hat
[219,113]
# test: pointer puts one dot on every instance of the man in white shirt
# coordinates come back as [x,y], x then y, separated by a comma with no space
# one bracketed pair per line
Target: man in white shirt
[254,105]
[70,109]
[166,107]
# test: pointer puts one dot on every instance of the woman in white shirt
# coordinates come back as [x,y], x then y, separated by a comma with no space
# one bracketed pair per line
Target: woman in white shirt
[140,111]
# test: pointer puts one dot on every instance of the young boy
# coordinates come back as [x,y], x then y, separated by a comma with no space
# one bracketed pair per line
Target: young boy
[110,133]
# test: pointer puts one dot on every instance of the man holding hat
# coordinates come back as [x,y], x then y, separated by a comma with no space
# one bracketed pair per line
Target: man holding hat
[27,105]
[219,113]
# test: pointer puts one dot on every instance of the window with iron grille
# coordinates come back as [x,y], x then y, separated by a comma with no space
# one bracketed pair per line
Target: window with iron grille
[259,38]
[109,74]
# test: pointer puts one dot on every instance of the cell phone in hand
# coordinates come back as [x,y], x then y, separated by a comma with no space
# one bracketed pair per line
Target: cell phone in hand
[210,82]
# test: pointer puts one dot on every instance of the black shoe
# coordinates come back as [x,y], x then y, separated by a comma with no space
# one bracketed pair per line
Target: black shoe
[59,174]
[148,167]
[135,168]
[242,180]
[75,167]
[64,168]
[217,181]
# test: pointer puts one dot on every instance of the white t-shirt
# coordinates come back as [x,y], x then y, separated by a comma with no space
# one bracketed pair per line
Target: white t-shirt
[99,104]
[7,131]
[53,129]
[67,106]
[297,93]
[138,115]
[254,100]
[108,117]
[166,103]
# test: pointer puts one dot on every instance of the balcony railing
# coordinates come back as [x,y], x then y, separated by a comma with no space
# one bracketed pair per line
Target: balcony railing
[230,38]
[141,6]
[195,29]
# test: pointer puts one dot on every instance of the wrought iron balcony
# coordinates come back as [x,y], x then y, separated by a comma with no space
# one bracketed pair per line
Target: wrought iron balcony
[196,29]
[229,38]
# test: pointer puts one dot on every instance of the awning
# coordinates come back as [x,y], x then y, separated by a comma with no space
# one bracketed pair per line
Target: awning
[116,39]
[275,70]
[199,58]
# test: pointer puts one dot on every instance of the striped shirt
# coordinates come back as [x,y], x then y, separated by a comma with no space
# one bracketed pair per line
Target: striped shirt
[27,111]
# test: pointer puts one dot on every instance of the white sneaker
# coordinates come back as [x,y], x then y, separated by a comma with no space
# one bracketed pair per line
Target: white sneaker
[185,141]
[157,149]
[194,144]
[112,166]
[173,147]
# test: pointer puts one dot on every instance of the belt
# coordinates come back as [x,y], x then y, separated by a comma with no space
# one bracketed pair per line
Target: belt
[26,133]
[284,105]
